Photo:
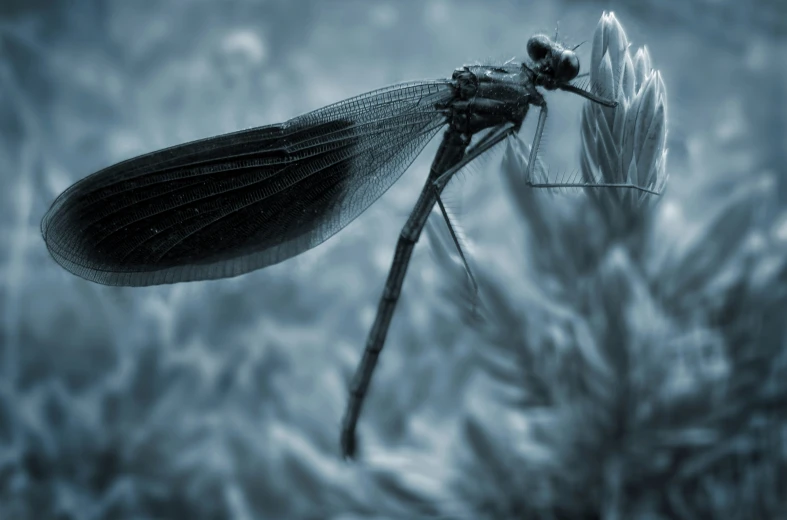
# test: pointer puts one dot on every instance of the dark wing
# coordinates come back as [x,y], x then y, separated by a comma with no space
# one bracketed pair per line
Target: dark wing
[234,203]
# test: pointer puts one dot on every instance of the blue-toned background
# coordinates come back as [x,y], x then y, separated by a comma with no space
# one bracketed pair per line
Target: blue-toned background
[223,399]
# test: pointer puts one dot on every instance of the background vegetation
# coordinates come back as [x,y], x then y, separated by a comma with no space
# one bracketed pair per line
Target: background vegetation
[636,376]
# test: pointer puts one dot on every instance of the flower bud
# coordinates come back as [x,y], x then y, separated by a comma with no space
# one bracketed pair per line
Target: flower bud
[626,144]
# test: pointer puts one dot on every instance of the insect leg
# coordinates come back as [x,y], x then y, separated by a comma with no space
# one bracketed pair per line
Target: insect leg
[542,117]
[531,162]
[459,249]
[488,141]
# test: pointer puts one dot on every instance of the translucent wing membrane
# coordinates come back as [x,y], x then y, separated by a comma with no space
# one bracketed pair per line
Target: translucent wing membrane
[231,204]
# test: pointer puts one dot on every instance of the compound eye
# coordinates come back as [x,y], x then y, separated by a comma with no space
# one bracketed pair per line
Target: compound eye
[538,47]
[567,66]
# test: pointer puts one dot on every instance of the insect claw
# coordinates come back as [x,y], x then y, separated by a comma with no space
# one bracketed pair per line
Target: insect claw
[348,445]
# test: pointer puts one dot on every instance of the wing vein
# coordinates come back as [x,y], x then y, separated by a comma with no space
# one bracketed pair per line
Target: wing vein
[358,151]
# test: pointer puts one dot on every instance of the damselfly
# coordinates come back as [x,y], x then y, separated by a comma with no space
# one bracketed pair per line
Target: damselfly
[230,204]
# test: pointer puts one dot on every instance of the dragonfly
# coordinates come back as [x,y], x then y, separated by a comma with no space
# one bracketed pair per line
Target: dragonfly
[234,203]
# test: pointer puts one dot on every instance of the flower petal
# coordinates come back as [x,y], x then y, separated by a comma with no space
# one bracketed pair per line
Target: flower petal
[662,175]
[605,80]
[642,66]
[631,173]
[626,130]
[646,110]
[599,48]
[617,48]
[607,156]
[661,92]
[589,131]
[628,79]
[604,132]
[652,146]
[588,166]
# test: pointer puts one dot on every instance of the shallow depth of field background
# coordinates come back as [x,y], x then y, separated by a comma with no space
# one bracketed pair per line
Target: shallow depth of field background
[223,399]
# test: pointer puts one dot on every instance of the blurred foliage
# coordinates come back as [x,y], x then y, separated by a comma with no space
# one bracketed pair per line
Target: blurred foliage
[609,379]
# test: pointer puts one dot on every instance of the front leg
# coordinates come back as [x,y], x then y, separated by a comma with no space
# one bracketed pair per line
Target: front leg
[542,120]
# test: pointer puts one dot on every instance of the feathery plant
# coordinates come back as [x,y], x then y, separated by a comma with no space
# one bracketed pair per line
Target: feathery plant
[638,365]
[634,373]
[626,144]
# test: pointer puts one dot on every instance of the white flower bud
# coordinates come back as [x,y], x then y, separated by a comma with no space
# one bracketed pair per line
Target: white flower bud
[626,144]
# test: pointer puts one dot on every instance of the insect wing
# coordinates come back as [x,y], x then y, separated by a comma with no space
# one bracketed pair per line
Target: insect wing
[230,204]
